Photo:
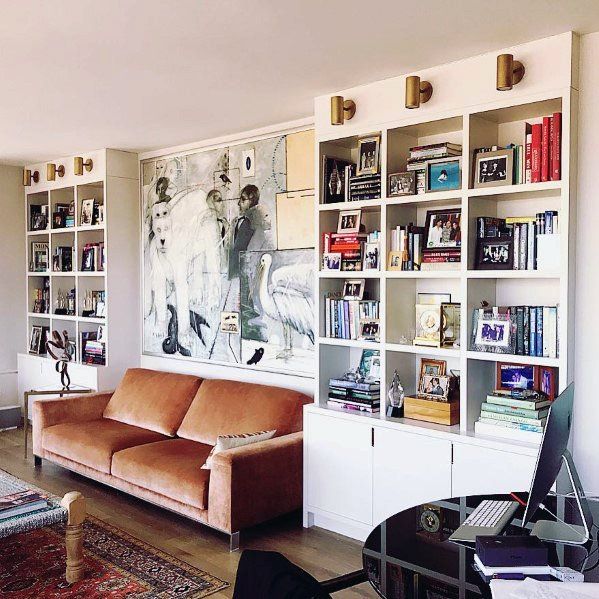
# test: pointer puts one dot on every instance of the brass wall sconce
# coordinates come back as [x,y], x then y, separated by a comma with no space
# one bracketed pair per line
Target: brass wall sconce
[80,164]
[52,170]
[509,72]
[29,176]
[417,92]
[341,110]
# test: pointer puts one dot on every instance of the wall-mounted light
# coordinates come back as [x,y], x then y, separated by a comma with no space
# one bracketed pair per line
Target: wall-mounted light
[509,72]
[28,176]
[52,170]
[417,92]
[80,164]
[341,110]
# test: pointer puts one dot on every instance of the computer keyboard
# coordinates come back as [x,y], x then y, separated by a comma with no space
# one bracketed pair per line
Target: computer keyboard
[488,513]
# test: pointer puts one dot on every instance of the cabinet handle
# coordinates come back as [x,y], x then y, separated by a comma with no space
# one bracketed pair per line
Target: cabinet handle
[372,436]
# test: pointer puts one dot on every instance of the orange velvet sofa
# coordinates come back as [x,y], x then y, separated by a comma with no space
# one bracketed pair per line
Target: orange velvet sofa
[152,435]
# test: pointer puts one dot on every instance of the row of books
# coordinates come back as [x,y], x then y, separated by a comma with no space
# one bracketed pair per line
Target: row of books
[62,259]
[362,187]
[93,257]
[349,245]
[351,395]
[515,414]
[21,503]
[93,351]
[41,298]
[543,149]
[409,241]
[441,259]
[547,223]
[420,155]
[342,316]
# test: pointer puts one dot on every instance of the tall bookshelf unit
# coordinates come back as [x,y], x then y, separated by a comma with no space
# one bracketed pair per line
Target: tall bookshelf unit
[113,183]
[359,469]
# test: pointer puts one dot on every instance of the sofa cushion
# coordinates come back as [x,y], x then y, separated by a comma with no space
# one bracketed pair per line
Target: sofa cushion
[152,399]
[93,443]
[229,407]
[172,468]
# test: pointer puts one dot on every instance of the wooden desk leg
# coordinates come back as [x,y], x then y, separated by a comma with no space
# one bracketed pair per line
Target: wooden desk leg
[74,502]
[26,420]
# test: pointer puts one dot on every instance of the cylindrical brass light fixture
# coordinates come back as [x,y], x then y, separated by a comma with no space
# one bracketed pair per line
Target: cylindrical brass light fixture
[509,72]
[28,176]
[341,110]
[80,164]
[52,170]
[417,92]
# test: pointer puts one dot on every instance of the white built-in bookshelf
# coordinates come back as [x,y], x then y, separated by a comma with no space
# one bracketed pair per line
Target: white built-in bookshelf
[467,110]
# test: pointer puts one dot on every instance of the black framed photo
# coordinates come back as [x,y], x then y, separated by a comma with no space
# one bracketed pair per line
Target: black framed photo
[354,289]
[516,376]
[333,179]
[370,329]
[35,340]
[443,228]
[368,155]
[349,221]
[402,184]
[495,254]
[494,168]
[59,220]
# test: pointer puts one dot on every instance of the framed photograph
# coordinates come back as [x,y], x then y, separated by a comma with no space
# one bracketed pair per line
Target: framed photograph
[333,179]
[493,332]
[370,364]
[349,221]
[371,256]
[354,289]
[434,386]
[432,367]
[548,381]
[443,228]
[59,220]
[428,325]
[443,174]
[516,376]
[494,168]
[433,298]
[100,309]
[40,256]
[39,222]
[402,184]
[35,340]
[369,329]
[87,212]
[331,261]
[495,254]
[450,324]
[368,155]
[101,334]
[395,261]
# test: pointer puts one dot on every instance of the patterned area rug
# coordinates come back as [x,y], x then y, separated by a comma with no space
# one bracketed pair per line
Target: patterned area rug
[117,565]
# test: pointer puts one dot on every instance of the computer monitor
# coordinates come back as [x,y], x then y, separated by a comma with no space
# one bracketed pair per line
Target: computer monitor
[554,453]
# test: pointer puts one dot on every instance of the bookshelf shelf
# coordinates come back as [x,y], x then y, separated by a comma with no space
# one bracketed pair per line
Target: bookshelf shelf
[431,198]
[423,274]
[512,358]
[555,187]
[421,350]
[358,343]
[64,317]
[345,274]
[357,205]
[512,274]
[38,315]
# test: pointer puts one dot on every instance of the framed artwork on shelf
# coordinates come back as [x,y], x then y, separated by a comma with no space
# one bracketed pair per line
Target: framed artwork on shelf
[493,333]
[443,174]
[370,364]
[370,329]
[495,253]
[443,229]
[494,168]
[395,261]
[87,212]
[35,340]
[548,381]
[353,289]
[432,367]
[371,256]
[331,261]
[450,324]
[434,386]
[402,184]
[516,376]
[368,155]
[349,221]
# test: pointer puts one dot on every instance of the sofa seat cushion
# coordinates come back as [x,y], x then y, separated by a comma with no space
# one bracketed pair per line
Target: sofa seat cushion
[93,443]
[152,399]
[231,407]
[171,468]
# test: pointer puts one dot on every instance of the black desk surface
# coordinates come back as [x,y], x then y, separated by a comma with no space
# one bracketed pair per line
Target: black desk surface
[408,555]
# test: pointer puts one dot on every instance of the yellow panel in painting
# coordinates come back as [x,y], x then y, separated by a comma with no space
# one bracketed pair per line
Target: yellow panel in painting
[295,220]
[300,160]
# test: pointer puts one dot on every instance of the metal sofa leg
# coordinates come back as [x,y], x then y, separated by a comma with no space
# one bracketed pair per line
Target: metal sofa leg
[234,541]
[37,461]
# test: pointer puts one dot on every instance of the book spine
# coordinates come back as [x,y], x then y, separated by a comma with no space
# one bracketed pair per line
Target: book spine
[516,264]
[512,418]
[528,159]
[552,326]
[530,250]
[556,166]
[523,246]
[536,153]
[532,414]
[484,428]
[520,330]
[523,426]
[533,331]
[546,334]
[539,343]
[501,400]
[545,149]
[551,144]
[526,331]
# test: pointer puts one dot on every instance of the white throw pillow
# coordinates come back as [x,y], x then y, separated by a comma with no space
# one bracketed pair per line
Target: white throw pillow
[224,442]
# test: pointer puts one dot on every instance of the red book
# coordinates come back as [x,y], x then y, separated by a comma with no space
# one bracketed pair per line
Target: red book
[551,142]
[556,148]
[527,153]
[535,153]
[326,243]
[545,149]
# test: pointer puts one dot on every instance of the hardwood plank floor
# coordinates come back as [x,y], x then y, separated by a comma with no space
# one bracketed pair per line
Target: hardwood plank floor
[321,553]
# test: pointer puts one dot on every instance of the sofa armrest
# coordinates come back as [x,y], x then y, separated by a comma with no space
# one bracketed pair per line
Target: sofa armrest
[80,408]
[256,482]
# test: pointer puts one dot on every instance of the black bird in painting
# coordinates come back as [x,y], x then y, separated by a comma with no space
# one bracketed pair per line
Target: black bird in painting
[256,357]
[225,179]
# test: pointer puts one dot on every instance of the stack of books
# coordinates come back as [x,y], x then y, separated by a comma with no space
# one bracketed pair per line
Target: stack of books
[543,150]
[349,245]
[342,316]
[419,155]
[409,240]
[350,395]
[445,259]
[363,187]
[517,414]
[92,350]
[21,503]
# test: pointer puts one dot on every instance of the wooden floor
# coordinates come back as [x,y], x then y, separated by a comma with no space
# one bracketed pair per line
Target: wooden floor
[321,553]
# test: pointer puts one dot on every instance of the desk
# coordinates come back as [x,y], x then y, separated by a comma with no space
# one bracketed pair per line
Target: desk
[409,554]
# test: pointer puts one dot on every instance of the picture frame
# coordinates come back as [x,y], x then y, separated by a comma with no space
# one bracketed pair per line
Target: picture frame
[40,256]
[443,229]
[395,261]
[450,324]
[370,364]
[516,376]
[87,212]
[428,325]
[401,184]
[59,220]
[333,179]
[368,155]
[496,253]
[432,298]
[435,387]
[100,309]
[548,381]
[353,289]
[331,261]
[369,329]
[494,333]
[35,339]
[349,221]
[432,367]
[492,169]
[443,174]
[371,260]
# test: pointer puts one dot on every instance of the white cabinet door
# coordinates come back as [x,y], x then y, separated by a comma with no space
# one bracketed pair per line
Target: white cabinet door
[409,470]
[483,471]
[339,467]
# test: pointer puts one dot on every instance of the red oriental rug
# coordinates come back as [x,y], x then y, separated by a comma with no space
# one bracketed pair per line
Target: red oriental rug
[117,565]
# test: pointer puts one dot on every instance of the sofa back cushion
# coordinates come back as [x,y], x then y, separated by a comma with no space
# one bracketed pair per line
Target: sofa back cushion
[153,400]
[230,407]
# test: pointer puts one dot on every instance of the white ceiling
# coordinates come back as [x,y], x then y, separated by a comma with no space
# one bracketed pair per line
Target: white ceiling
[84,74]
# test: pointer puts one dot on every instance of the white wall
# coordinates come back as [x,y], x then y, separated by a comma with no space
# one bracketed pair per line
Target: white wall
[12,280]
[586,405]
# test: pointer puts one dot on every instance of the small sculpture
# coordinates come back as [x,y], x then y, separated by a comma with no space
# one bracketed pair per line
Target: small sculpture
[62,357]
[395,395]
